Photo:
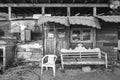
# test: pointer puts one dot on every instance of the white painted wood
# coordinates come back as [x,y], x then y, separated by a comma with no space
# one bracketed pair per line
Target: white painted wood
[83,58]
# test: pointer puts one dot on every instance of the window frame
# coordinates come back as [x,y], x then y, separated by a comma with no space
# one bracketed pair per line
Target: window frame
[81,35]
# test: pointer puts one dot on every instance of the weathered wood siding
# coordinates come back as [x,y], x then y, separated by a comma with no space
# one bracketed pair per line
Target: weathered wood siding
[50,46]
[87,45]
[55,44]
[5,27]
[64,41]
[107,39]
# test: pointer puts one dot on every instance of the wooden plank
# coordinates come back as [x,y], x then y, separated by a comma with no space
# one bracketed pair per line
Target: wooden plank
[54,40]
[94,38]
[9,13]
[44,38]
[52,5]
[94,11]
[68,11]
[43,10]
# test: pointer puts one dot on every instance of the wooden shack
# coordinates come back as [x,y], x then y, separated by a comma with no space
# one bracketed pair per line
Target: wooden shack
[7,53]
[30,42]
[107,37]
[91,31]
[94,23]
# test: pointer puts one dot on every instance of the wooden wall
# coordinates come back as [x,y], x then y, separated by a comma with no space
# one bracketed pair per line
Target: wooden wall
[107,39]
[4,27]
[87,45]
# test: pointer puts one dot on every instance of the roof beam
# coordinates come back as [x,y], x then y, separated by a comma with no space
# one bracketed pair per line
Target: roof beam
[53,5]
[33,10]
[25,10]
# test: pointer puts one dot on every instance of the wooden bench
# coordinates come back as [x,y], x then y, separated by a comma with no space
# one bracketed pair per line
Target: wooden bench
[83,58]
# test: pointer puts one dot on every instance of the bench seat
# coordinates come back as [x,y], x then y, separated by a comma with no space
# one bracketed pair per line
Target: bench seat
[84,61]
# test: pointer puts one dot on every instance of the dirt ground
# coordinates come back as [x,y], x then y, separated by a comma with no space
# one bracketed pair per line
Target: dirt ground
[67,74]
[77,74]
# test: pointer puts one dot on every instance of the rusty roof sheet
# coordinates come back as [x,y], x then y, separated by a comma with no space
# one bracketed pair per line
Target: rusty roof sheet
[56,19]
[85,20]
[115,19]
[75,20]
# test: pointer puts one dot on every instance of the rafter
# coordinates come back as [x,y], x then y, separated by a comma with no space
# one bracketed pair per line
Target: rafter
[4,10]
[17,11]
[34,10]
[38,10]
[30,11]
[25,11]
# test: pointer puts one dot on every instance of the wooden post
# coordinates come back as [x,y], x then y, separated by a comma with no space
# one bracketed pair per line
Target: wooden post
[68,11]
[55,40]
[68,28]
[94,38]
[44,32]
[94,31]
[94,11]
[44,38]
[9,13]
[43,10]
[106,59]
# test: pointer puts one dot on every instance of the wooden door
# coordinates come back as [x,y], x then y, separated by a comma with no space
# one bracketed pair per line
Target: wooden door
[50,39]
[61,40]
[55,39]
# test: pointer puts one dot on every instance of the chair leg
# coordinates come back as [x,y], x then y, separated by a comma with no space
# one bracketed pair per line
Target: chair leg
[62,66]
[54,71]
[41,70]
[46,68]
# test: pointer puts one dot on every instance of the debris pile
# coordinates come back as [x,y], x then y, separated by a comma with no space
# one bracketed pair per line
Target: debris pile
[20,73]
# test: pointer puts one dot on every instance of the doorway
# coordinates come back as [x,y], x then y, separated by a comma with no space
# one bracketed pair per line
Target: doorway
[55,38]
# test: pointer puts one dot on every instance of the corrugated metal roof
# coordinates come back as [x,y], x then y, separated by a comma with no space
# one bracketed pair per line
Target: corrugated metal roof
[85,20]
[115,19]
[56,19]
[77,20]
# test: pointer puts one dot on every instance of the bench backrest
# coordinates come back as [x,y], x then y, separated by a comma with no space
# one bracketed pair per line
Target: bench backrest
[70,55]
[90,55]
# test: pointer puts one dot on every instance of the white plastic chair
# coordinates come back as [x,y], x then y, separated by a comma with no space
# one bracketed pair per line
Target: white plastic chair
[49,63]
